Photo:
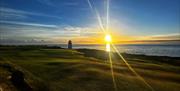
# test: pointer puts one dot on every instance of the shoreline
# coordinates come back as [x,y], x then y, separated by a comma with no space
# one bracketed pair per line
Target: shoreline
[161,59]
[76,48]
[98,54]
[129,53]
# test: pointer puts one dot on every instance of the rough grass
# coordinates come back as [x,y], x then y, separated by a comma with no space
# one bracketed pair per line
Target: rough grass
[70,70]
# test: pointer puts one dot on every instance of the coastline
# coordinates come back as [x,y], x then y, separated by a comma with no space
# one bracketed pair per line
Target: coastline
[102,55]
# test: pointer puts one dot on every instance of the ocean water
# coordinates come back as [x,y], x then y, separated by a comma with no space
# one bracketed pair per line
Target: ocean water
[155,50]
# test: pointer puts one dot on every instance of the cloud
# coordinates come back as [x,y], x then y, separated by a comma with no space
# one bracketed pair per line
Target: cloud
[154,39]
[55,4]
[83,31]
[23,42]
[28,24]
[71,31]
[174,36]
[4,15]
[28,31]
[8,12]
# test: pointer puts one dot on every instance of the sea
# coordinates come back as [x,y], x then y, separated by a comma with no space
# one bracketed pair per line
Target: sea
[144,49]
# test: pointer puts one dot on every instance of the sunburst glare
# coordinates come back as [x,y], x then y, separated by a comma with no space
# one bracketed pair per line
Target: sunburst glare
[108,41]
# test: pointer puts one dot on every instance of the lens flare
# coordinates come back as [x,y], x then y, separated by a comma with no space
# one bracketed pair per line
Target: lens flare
[108,48]
[108,44]
[108,38]
[107,15]
[94,10]
[112,72]
[108,41]
[131,69]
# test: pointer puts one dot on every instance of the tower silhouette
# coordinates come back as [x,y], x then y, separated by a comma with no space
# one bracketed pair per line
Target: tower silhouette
[69,44]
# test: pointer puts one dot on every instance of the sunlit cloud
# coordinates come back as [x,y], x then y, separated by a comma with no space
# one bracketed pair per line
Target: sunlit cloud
[174,36]
[53,33]
[83,35]
[153,39]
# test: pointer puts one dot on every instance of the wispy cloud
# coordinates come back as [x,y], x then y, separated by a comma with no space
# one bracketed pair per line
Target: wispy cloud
[173,36]
[5,16]
[8,12]
[28,24]
[28,31]
[57,3]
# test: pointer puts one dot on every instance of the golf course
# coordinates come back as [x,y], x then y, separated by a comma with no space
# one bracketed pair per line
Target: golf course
[56,69]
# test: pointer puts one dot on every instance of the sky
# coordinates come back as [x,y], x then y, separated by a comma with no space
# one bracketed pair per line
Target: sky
[57,21]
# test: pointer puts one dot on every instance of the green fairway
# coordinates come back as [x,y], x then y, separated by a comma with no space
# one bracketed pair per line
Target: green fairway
[71,70]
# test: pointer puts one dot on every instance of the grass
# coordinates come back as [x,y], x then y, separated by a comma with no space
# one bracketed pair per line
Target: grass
[75,70]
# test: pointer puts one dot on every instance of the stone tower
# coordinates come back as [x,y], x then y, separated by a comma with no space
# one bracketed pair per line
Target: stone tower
[69,44]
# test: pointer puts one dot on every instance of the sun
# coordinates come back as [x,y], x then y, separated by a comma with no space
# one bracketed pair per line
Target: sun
[108,41]
[108,38]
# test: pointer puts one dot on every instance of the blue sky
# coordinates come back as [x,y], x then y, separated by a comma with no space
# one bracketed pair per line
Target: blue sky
[60,20]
